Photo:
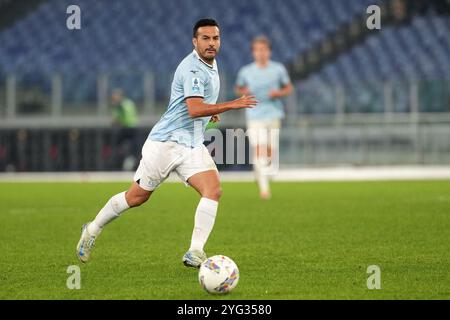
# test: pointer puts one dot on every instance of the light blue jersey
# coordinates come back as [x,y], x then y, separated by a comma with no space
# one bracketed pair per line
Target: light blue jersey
[193,78]
[260,81]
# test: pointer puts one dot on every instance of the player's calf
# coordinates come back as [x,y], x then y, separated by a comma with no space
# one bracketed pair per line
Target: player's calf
[136,196]
[115,206]
[136,200]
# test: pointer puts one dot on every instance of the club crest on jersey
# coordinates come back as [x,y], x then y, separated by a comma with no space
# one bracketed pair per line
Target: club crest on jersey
[196,85]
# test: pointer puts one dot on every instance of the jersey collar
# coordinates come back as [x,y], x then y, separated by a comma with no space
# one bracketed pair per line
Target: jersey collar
[269,63]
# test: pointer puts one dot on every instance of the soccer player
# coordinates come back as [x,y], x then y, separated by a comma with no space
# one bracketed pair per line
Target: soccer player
[176,144]
[268,81]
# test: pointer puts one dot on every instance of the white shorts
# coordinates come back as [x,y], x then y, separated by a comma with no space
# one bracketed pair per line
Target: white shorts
[159,159]
[264,132]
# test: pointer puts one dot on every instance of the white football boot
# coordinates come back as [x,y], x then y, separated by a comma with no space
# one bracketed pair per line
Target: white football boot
[85,245]
[194,258]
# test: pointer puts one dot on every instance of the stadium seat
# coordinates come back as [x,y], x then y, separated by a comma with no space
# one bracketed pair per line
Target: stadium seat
[120,36]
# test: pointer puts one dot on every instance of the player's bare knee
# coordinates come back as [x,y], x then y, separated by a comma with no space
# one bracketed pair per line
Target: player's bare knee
[137,200]
[213,193]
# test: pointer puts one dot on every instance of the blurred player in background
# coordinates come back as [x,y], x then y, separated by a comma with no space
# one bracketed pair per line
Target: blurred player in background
[176,144]
[125,118]
[269,82]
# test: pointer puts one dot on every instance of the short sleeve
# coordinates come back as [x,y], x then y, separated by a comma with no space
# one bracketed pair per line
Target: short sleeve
[240,80]
[194,83]
[284,76]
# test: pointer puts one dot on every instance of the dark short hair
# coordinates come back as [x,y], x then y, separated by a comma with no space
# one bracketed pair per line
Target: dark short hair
[205,22]
[262,39]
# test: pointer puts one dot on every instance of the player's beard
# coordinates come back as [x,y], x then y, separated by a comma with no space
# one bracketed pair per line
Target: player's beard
[208,57]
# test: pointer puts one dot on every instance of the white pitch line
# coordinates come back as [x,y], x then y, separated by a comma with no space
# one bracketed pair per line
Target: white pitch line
[295,175]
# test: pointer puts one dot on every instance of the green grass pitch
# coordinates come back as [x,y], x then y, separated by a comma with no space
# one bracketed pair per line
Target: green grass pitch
[311,241]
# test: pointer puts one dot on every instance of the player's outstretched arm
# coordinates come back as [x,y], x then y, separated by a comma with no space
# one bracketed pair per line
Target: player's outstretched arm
[283,92]
[197,108]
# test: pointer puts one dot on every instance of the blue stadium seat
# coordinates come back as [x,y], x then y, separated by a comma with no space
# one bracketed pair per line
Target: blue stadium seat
[119,36]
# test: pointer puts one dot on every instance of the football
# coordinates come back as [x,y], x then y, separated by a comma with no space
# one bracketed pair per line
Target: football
[218,275]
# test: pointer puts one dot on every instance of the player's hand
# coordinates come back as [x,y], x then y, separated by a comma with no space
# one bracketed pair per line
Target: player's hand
[274,94]
[244,102]
[245,91]
[215,118]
